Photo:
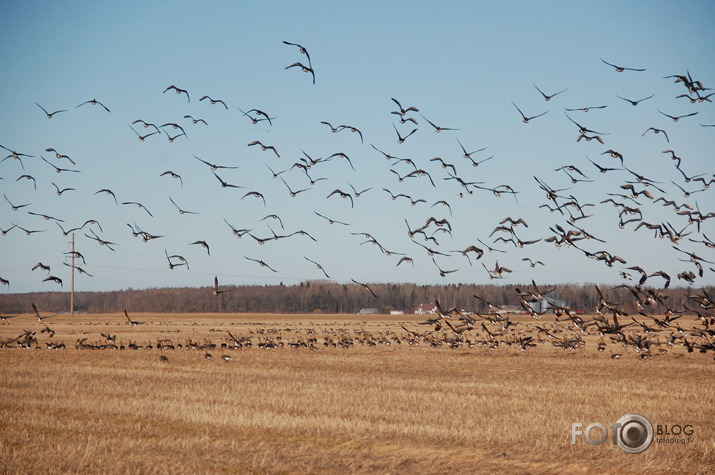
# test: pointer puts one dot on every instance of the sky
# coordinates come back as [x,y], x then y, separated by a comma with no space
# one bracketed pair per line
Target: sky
[466,66]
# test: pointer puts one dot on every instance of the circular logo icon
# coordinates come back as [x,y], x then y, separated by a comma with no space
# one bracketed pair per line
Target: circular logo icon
[635,433]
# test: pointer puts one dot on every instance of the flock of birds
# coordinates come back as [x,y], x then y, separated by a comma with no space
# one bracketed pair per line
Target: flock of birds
[303,180]
[453,328]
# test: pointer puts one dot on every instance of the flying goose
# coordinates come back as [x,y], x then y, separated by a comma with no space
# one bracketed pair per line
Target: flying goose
[225,184]
[498,272]
[620,69]
[255,194]
[261,263]
[214,101]
[264,147]
[138,205]
[303,67]
[437,128]
[524,118]
[181,211]
[54,279]
[142,138]
[342,194]
[195,120]
[365,286]
[295,193]
[58,169]
[94,102]
[59,192]
[50,114]
[330,220]
[173,175]
[203,244]
[301,49]
[213,166]
[59,155]
[318,266]
[15,207]
[179,91]
[635,102]
[547,98]
[400,138]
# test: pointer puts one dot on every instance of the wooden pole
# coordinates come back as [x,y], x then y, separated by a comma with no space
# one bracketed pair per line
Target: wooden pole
[72,292]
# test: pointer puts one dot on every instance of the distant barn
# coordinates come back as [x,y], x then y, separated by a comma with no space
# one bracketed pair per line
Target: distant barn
[368,311]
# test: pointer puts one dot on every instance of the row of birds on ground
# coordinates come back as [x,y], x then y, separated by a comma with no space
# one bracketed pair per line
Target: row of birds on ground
[648,336]
[569,233]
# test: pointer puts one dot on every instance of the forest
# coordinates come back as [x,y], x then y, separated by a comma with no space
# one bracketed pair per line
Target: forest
[330,297]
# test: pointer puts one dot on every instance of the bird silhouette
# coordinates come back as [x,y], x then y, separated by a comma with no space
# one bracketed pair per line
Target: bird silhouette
[179,91]
[94,102]
[304,68]
[50,114]
[524,118]
[620,69]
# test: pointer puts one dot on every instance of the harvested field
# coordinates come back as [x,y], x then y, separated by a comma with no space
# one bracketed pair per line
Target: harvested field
[376,404]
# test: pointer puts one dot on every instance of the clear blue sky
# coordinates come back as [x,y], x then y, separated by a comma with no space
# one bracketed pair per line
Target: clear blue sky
[461,63]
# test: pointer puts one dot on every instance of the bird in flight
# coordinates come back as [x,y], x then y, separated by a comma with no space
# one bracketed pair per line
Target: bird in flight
[547,97]
[330,220]
[498,272]
[403,110]
[142,138]
[264,147]
[58,169]
[130,321]
[179,91]
[181,211]
[318,266]
[173,175]
[214,101]
[400,138]
[54,279]
[108,192]
[293,194]
[94,102]
[194,120]
[261,263]
[656,131]
[303,67]
[138,205]
[620,69]
[636,102]
[203,244]
[213,166]
[59,155]
[442,272]
[301,49]
[436,127]
[676,118]
[50,114]
[256,120]
[365,286]
[15,207]
[224,184]
[342,194]
[42,266]
[255,194]
[524,118]
[216,290]
[585,109]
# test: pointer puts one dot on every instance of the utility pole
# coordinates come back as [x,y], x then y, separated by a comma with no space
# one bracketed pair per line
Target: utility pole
[72,292]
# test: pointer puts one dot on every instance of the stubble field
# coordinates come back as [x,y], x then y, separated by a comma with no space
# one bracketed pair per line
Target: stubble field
[337,393]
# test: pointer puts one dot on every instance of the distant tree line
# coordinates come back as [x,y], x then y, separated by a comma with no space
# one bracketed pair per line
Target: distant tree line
[328,297]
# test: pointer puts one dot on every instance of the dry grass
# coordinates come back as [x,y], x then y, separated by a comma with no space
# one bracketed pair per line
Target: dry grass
[394,408]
